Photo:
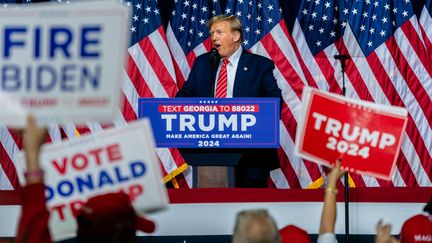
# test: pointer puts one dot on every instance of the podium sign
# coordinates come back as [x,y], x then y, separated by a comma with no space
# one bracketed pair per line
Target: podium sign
[213,123]
[366,136]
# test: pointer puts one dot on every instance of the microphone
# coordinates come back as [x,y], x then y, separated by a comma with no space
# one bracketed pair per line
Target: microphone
[342,57]
[214,58]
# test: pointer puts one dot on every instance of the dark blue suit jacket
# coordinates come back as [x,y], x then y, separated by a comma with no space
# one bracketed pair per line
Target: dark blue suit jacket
[254,78]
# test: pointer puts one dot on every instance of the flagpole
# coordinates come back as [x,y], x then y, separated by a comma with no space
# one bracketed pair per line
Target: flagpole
[342,59]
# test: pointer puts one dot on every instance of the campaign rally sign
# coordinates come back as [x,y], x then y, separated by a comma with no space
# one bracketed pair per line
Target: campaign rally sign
[120,159]
[62,63]
[366,136]
[213,123]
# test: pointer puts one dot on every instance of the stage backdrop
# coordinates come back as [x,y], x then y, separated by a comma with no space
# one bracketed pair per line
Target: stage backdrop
[389,47]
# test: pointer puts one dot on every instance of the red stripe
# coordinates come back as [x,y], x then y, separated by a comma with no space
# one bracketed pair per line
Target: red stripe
[208,44]
[288,72]
[179,75]
[416,44]
[178,158]
[328,71]
[426,41]
[158,66]
[394,99]
[190,58]
[8,167]
[137,79]
[413,83]
[308,76]
[288,170]
[128,112]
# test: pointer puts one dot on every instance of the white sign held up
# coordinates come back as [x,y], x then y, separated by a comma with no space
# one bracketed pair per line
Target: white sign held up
[62,62]
[119,159]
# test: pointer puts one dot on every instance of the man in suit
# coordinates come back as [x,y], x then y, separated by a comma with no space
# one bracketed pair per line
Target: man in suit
[229,71]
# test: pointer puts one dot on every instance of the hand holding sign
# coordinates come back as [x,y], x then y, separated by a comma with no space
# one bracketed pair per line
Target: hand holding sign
[118,159]
[366,136]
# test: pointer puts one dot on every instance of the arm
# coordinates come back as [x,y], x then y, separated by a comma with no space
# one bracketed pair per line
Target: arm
[33,225]
[328,217]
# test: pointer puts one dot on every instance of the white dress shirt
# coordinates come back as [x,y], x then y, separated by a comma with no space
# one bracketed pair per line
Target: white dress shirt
[231,71]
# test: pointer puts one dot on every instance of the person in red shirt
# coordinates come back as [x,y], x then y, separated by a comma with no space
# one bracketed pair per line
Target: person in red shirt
[108,218]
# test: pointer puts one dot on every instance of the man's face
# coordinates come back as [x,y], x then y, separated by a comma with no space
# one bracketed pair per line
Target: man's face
[225,40]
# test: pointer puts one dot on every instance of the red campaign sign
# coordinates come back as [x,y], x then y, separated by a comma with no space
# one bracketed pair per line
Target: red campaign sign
[366,136]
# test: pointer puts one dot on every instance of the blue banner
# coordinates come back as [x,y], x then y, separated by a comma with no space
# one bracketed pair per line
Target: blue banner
[213,123]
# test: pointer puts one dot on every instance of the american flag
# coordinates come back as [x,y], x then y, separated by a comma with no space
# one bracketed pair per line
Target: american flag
[390,52]
[265,33]
[388,65]
[150,73]
[188,34]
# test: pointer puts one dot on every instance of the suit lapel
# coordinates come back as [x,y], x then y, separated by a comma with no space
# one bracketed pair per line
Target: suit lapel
[241,73]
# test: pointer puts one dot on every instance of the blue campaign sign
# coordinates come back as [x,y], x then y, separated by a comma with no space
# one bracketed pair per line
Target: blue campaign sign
[213,123]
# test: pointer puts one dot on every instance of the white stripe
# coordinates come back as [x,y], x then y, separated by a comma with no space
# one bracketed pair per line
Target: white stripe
[147,71]
[296,162]
[119,120]
[199,50]
[308,58]
[163,52]
[413,60]
[188,176]
[4,181]
[177,52]
[130,92]
[426,22]
[397,179]
[94,127]
[54,132]
[279,179]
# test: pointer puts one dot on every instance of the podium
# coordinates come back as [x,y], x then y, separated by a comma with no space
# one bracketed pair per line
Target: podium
[213,131]
[212,157]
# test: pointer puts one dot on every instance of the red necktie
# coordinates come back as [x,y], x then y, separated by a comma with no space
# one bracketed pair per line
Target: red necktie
[221,85]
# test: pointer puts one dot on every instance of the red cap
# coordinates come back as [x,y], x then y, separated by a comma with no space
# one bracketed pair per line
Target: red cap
[294,234]
[417,229]
[111,211]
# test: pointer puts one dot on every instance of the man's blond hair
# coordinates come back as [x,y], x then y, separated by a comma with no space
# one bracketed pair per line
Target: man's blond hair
[234,22]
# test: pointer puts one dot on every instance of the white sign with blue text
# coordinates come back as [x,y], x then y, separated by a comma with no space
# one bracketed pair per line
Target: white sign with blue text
[62,62]
[119,159]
